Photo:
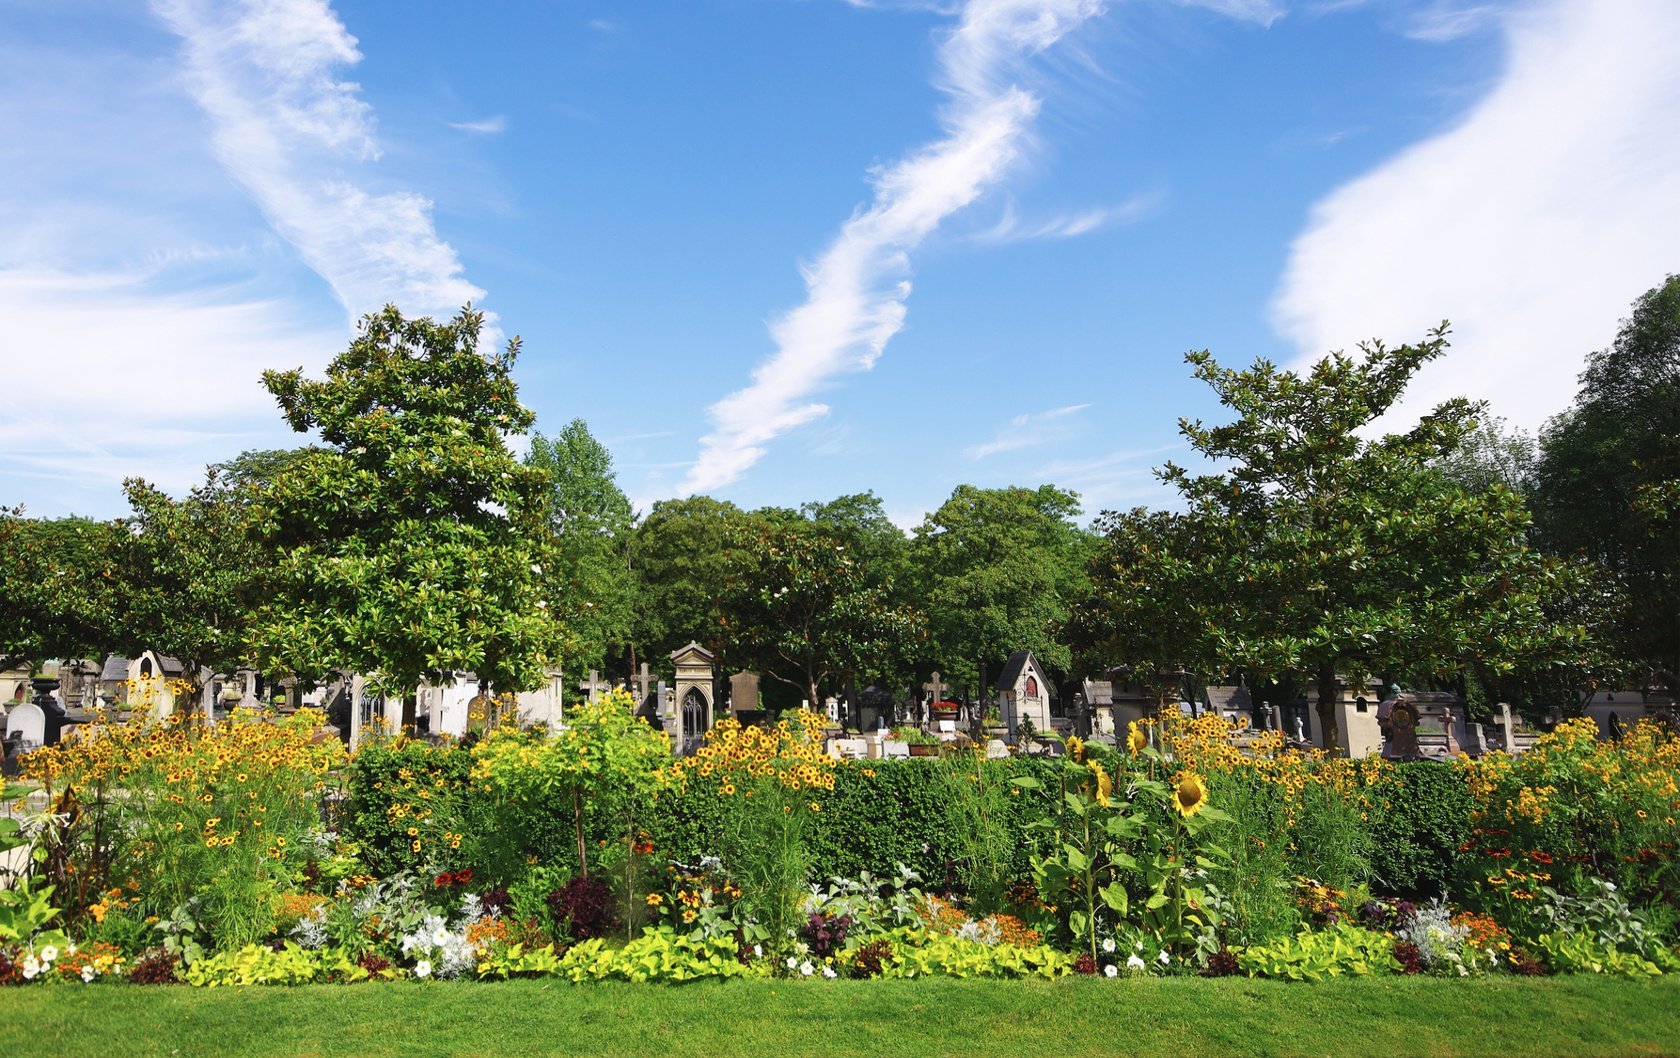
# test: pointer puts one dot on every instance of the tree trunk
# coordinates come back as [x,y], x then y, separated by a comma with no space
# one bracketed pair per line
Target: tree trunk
[1327,695]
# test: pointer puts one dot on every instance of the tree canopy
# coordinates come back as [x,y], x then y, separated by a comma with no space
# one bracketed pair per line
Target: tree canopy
[997,570]
[1311,549]
[409,545]
[1607,485]
[590,585]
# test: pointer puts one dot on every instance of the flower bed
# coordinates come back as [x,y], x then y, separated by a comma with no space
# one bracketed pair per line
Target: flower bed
[203,855]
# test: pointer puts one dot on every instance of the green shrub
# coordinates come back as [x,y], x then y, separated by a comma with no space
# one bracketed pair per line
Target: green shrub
[1420,817]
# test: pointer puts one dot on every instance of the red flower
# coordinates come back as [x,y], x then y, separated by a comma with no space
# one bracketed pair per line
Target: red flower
[1541,857]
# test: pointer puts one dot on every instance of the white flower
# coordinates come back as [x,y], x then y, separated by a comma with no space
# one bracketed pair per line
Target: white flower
[1111,970]
[440,937]
[1134,963]
[31,967]
[49,953]
[88,973]
[1108,944]
[806,969]
[423,968]
[792,962]
[1165,958]
[828,972]
[758,951]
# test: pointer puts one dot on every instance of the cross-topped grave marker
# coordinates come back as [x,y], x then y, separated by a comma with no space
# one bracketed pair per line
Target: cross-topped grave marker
[935,688]
[594,685]
[644,683]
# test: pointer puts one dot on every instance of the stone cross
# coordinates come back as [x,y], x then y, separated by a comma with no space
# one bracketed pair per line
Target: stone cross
[935,688]
[644,682]
[594,685]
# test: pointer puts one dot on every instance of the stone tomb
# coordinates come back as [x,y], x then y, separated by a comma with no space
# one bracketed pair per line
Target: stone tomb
[692,697]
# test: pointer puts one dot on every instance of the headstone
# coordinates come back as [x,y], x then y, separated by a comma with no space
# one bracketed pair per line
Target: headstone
[644,684]
[936,689]
[248,697]
[947,727]
[27,722]
[1265,718]
[743,693]
[892,747]
[996,750]
[831,707]
[1399,718]
[848,748]
[594,686]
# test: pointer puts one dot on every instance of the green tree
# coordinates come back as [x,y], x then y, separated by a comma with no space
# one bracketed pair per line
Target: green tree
[998,571]
[62,588]
[1318,551]
[679,559]
[409,544]
[1608,479]
[798,605]
[590,531]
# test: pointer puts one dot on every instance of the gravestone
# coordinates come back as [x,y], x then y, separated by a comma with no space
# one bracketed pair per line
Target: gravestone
[743,693]
[594,686]
[27,723]
[645,681]
[936,691]
[1399,720]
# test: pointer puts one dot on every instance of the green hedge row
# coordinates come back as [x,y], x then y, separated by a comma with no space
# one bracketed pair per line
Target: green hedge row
[881,814]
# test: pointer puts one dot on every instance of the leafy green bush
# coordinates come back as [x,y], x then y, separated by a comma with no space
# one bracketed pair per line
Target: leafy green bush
[408,805]
[1421,815]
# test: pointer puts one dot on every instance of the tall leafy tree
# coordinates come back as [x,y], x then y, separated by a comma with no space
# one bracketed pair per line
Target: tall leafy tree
[997,571]
[62,588]
[1608,479]
[679,557]
[410,543]
[799,605]
[1312,550]
[590,531]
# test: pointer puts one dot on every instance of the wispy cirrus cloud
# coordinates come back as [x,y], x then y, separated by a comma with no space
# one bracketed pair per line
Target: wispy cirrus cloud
[490,126]
[1532,224]
[300,138]
[1013,228]
[1029,430]
[856,290]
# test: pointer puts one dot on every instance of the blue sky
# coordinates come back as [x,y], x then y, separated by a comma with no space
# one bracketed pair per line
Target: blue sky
[781,250]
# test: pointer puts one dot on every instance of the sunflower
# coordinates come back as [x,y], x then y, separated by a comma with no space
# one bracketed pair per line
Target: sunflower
[1136,739]
[1104,785]
[1190,794]
[1076,748]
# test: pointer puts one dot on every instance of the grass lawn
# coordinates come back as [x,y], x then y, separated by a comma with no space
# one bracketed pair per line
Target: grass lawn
[1172,1018]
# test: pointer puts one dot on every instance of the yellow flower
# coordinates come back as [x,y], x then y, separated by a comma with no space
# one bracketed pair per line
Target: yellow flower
[1104,784]
[1190,795]
[689,915]
[654,900]
[1076,748]
[1136,739]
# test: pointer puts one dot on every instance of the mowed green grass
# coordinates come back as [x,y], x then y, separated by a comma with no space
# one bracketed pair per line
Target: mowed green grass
[1172,1018]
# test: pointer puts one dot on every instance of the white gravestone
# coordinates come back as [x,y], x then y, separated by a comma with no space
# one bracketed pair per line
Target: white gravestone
[28,722]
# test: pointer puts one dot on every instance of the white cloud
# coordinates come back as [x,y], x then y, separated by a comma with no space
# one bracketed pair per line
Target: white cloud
[1119,479]
[1011,228]
[1445,20]
[293,133]
[138,381]
[1029,430]
[1265,12]
[487,127]
[856,290]
[1532,225]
